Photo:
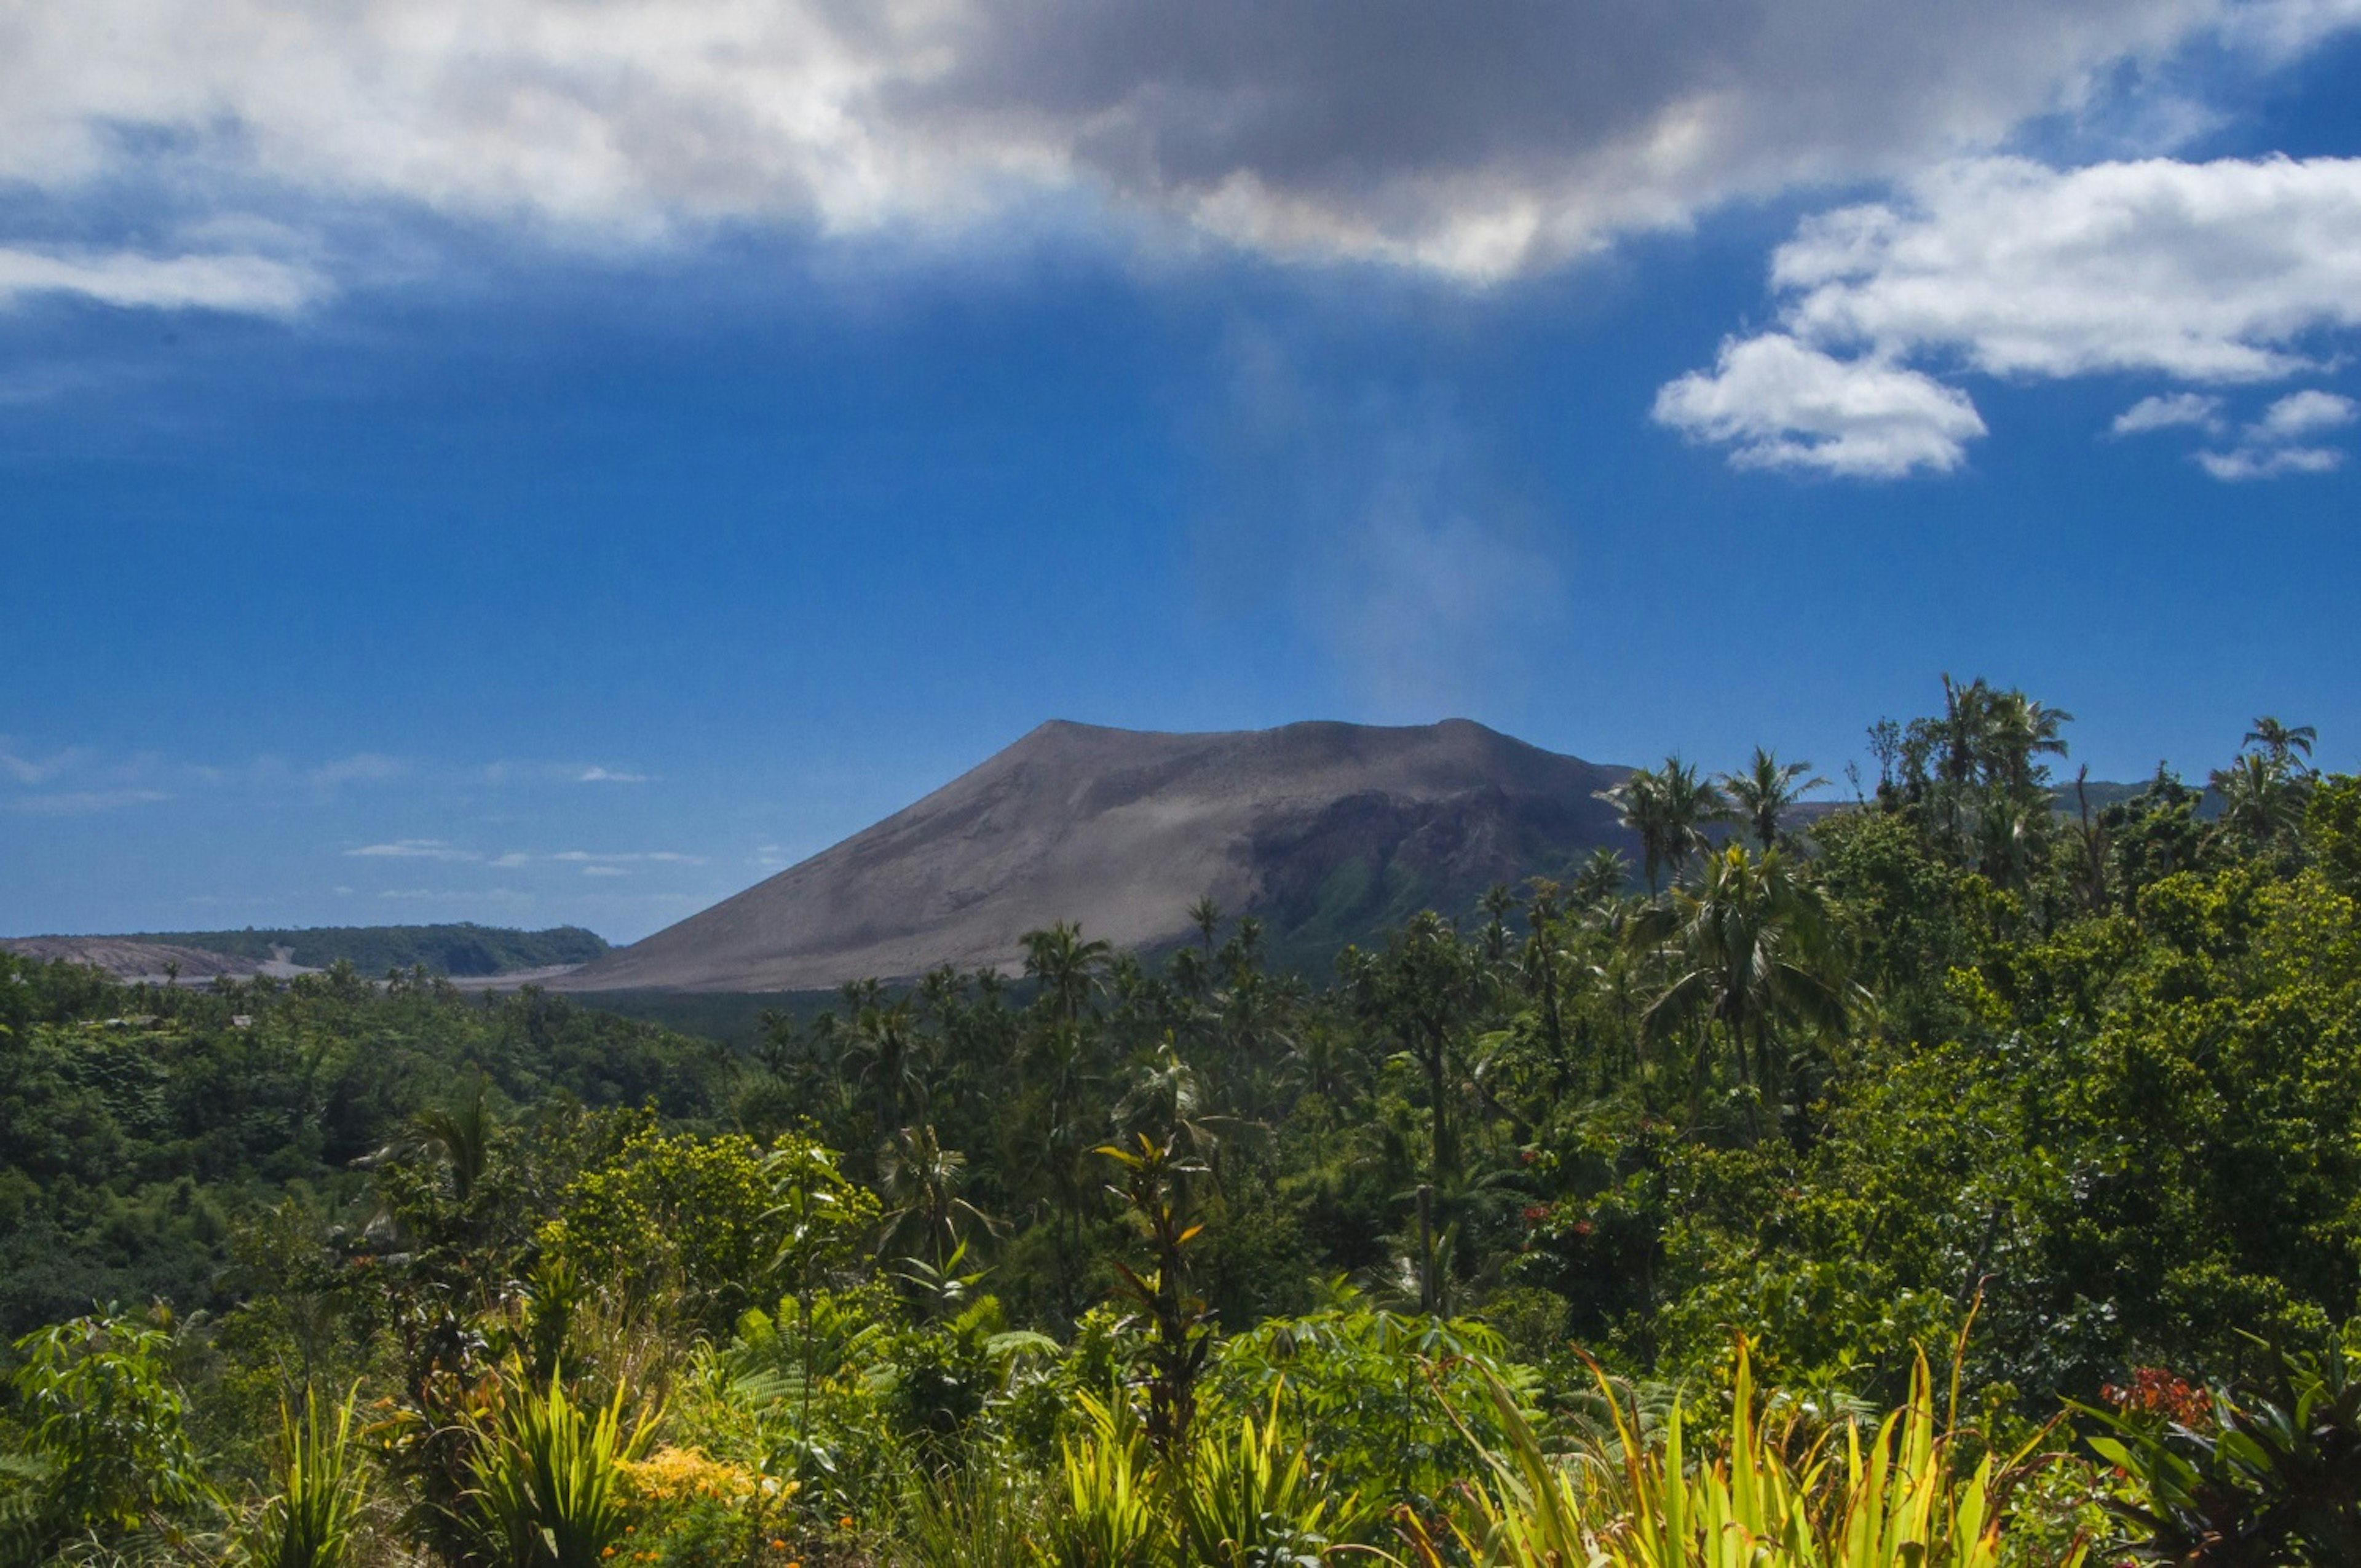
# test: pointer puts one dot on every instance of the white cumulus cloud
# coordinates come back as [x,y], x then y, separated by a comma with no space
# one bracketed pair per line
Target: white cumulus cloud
[2203,271]
[2304,413]
[2269,462]
[1477,139]
[2167,410]
[2216,273]
[2273,446]
[1785,404]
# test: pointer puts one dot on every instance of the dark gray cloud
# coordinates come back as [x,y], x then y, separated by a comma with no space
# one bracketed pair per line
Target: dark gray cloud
[1475,139]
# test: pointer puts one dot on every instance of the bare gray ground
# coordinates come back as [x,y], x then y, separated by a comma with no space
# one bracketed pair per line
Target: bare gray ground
[146,962]
[1122,831]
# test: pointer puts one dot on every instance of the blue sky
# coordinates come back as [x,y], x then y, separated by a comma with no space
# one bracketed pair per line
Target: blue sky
[554,484]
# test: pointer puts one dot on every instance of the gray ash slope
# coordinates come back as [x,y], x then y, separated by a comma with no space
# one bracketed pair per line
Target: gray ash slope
[1326,832]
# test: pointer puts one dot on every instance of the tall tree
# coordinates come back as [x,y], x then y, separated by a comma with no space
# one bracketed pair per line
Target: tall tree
[1602,876]
[1420,989]
[2281,743]
[1206,916]
[922,1179]
[1766,791]
[1751,946]
[2259,801]
[1066,968]
[886,1053]
[1669,809]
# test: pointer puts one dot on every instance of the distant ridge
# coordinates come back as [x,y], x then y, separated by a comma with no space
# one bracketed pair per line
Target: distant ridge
[461,951]
[1325,831]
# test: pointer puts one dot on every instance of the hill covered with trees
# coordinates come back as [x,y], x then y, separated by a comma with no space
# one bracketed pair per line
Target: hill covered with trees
[1600,1225]
[463,949]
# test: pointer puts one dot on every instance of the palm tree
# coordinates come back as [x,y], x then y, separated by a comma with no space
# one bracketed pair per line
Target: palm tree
[1326,1058]
[2016,730]
[2260,802]
[1167,1100]
[1668,810]
[2281,743]
[1420,988]
[1059,1059]
[923,1179]
[1602,877]
[1496,903]
[1767,791]
[1206,915]
[1691,805]
[1066,968]
[458,1136]
[889,1056]
[1752,945]
[1638,806]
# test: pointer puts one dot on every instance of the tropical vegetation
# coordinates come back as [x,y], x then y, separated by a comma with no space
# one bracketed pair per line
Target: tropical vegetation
[1965,1172]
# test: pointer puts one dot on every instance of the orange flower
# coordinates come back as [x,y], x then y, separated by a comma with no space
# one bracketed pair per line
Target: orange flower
[609,1551]
[844,1523]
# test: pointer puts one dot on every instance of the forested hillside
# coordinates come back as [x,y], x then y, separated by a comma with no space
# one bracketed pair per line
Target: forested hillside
[464,949]
[1600,1223]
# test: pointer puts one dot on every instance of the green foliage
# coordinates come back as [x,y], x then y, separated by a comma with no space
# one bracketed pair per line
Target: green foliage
[107,1427]
[1107,1516]
[985,1514]
[1249,1500]
[2268,1474]
[1189,1259]
[312,1521]
[547,1490]
[457,950]
[1388,1406]
[2333,829]
[139,1128]
[699,1217]
[1897,1501]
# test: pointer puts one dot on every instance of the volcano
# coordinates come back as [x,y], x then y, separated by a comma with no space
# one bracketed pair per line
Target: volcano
[1325,832]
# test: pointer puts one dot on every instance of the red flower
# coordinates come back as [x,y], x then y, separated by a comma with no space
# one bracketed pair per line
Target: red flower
[2156,1392]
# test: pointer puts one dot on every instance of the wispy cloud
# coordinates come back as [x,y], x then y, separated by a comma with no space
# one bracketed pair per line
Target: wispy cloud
[40,770]
[1378,511]
[609,775]
[362,767]
[670,857]
[78,802]
[2277,444]
[2169,410]
[2269,462]
[2304,413]
[413,849]
[461,895]
[253,285]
